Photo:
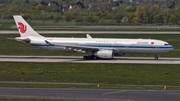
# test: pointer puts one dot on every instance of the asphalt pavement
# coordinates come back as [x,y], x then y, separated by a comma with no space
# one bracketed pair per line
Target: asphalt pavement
[90,94]
[79,59]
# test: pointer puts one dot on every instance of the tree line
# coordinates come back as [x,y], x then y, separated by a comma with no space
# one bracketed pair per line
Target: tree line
[128,14]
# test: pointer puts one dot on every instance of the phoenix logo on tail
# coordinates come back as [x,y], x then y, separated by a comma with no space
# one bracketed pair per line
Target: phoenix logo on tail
[22,27]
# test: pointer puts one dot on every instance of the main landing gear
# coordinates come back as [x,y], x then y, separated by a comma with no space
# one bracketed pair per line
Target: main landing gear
[156,57]
[91,57]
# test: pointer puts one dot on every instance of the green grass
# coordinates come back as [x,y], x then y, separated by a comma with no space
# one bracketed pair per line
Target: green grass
[92,86]
[130,74]
[12,47]
[108,75]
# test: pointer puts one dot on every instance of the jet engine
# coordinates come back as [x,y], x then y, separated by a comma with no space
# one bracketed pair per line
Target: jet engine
[104,54]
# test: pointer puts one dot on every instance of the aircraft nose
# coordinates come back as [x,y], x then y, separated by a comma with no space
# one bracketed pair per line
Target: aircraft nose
[171,47]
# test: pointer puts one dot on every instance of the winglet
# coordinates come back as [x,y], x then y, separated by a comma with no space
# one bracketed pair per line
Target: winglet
[88,36]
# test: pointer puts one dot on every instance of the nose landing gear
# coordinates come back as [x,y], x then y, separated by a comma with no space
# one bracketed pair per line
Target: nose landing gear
[156,57]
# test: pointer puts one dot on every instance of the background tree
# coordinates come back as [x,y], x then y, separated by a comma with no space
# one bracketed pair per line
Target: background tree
[39,7]
[172,19]
[177,10]
[155,10]
[129,12]
[6,15]
[118,13]
[142,14]
[92,19]
[101,12]
[158,19]
[167,13]
[70,15]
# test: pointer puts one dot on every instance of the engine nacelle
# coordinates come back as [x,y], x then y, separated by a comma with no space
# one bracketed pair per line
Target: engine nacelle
[104,54]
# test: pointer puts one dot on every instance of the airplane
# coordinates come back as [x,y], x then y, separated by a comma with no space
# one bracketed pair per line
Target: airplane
[95,48]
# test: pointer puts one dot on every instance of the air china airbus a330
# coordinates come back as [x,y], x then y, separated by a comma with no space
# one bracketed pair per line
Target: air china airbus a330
[93,47]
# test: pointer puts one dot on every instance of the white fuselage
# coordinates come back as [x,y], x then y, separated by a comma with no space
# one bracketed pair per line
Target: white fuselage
[146,46]
[93,47]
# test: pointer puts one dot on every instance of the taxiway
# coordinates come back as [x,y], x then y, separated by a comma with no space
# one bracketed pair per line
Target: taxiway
[90,94]
[78,59]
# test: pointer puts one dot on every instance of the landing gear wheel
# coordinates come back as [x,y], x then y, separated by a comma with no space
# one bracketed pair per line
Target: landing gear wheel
[96,58]
[91,57]
[85,57]
[156,57]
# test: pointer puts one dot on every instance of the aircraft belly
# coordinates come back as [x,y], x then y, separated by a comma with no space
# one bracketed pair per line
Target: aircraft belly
[160,50]
[138,50]
[144,50]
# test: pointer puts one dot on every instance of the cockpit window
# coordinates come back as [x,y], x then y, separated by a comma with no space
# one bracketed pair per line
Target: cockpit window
[166,44]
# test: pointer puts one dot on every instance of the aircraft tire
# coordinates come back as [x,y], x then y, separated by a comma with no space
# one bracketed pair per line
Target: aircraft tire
[85,57]
[156,57]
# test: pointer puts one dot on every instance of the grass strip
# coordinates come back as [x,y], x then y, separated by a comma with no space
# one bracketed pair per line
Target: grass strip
[94,86]
[128,74]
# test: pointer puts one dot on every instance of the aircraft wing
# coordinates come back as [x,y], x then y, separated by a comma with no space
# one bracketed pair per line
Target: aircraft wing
[83,48]
[87,48]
